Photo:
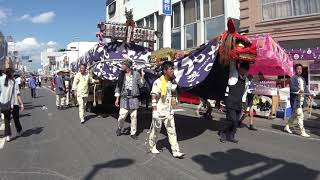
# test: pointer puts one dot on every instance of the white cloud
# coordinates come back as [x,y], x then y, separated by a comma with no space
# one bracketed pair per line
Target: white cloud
[43,18]
[25,17]
[52,44]
[31,47]
[4,16]
[27,44]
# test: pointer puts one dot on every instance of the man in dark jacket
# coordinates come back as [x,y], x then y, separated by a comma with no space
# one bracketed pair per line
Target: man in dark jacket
[126,93]
[233,101]
[298,96]
[60,91]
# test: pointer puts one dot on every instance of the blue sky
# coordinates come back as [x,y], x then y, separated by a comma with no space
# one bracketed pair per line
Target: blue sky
[35,24]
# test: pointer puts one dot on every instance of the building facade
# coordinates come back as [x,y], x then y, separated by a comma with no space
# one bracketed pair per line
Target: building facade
[191,23]
[52,60]
[49,60]
[76,50]
[294,24]
[3,50]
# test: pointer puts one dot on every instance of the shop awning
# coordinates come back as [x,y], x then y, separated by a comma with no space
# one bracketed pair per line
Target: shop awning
[271,59]
[305,54]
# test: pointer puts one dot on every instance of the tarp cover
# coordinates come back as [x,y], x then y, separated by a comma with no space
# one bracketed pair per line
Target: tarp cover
[189,71]
[115,51]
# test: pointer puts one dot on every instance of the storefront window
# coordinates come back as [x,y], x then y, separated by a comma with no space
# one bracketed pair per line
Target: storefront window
[191,35]
[217,7]
[206,8]
[176,38]
[160,30]
[176,15]
[112,10]
[151,18]
[189,11]
[303,7]
[214,27]
[198,9]
[140,23]
[149,21]
[275,9]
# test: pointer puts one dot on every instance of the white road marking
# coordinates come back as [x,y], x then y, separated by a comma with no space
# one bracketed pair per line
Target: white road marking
[2,127]
[2,141]
[179,110]
[245,169]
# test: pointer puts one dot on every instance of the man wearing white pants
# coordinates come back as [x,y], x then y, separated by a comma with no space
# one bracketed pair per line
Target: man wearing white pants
[126,93]
[60,91]
[80,88]
[298,91]
[163,99]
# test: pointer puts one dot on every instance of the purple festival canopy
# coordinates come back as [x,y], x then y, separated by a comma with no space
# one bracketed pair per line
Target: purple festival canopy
[113,51]
[305,54]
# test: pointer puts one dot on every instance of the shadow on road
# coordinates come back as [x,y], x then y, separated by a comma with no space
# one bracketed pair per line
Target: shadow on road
[238,164]
[25,115]
[277,127]
[118,163]
[29,107]
[187,127]
[89,117]
[32,131]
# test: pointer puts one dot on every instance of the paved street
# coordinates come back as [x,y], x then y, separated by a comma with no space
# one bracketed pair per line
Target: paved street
[55,146]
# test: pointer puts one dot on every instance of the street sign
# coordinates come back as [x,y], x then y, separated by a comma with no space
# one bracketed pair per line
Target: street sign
[25,57]
[166,8]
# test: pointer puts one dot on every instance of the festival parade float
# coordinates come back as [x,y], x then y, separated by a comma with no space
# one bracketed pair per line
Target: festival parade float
[202,72]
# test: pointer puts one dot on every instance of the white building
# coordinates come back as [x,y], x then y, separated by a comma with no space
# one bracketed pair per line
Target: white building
[48,60]
[3,50]
[193,22]
[51,60]
[77,49]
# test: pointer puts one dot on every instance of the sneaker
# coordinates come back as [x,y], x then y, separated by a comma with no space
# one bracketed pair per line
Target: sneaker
[178,155]
[304,134]
[118,132]
[233,140]
[82,121]
[8,138]
[252,128]
[135,137]
[223,137]
[287,129]
[154,150]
